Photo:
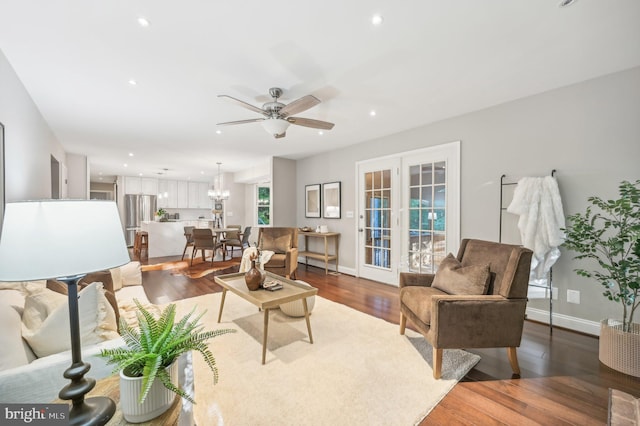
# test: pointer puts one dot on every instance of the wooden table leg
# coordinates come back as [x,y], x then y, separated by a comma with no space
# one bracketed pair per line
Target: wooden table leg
[306,317]
[224,293]
[264,335]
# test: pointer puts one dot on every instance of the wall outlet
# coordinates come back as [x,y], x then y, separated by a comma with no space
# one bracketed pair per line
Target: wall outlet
[573,296]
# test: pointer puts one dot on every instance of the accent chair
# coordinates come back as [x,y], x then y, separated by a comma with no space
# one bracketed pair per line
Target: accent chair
[475,300]
[284,243]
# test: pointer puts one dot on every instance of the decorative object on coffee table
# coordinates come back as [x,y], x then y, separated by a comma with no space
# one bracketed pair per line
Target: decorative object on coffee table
[146,365]
[253,277]
[611,237]
[73,238]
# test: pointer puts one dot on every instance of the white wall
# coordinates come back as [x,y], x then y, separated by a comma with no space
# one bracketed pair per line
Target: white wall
[78,177]
[589,132]
[29,142]
[283,195]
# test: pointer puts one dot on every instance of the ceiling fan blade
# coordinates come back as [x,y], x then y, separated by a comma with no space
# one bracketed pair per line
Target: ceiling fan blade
[299,105]
[244,104]
[281,135]
[251,120]
[309,122]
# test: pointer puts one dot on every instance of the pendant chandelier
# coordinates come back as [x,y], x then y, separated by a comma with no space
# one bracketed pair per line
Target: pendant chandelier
[217,193]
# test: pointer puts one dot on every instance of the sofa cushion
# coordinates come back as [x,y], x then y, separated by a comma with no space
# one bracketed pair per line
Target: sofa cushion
[452,278]
[131,274]
[45,321]
[14,351]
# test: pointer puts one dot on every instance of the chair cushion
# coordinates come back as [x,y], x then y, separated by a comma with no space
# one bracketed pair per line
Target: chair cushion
[418,300]
[276,244]
[276,261]
[452,278]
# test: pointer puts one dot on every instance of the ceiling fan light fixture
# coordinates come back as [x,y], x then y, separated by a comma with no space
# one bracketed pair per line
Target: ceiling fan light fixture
[275,126]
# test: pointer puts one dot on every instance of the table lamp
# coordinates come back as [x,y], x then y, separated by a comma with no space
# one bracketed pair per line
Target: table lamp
[65,240]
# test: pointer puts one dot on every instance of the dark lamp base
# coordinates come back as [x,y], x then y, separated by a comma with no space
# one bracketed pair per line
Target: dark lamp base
[96,411]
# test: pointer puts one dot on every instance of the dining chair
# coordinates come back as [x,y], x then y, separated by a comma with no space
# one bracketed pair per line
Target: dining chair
[188,235]
[203,240]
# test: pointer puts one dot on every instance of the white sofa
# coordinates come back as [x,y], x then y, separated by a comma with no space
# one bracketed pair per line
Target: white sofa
[38,380]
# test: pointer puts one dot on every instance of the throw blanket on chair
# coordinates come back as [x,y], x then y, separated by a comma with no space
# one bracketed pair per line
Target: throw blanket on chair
[537,201]
[245,263]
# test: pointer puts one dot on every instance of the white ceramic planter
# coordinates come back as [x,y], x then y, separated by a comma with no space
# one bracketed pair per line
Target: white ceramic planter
[159,399]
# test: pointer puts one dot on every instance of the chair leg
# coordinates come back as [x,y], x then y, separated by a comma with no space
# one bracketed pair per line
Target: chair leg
[193,253]
[513,360]
[437,363]
[184,252]
[403,323]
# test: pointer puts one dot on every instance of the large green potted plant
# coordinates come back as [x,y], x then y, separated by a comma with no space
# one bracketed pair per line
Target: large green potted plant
[147,365]
[608,233]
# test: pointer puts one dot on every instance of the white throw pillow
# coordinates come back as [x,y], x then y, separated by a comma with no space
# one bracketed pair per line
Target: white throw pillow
[14,351]
[116,277]
[131,274]
[45,321]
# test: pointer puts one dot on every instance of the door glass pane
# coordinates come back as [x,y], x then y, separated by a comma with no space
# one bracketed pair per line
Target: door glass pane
[427,207]
[378,218]
[414,175]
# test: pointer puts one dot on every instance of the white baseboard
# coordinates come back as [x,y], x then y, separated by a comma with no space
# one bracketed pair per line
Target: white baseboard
[565,321]
[332,266]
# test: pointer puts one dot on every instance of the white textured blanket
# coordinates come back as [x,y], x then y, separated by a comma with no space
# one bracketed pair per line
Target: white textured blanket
[537,201]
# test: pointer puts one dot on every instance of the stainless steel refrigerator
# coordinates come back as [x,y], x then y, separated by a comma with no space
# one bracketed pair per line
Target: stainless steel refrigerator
[138,208]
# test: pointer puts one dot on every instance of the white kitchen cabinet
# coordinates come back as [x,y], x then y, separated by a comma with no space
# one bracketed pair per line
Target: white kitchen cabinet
[149,186]
[132,185]
[167,194]
[203,194]
[198,196]
[182,194]
[172,190]
[137,185]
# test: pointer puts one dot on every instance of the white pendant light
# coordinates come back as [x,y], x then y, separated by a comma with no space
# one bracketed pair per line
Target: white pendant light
[275,126]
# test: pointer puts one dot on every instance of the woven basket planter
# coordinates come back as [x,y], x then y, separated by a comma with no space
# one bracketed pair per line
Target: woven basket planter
[618,349]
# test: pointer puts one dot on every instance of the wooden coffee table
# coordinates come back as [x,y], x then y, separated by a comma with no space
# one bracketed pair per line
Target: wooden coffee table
[266,300]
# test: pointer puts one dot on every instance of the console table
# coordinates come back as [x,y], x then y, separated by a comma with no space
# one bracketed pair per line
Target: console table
[326,257]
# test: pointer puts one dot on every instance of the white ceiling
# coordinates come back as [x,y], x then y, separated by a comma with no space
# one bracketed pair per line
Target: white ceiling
[429,60]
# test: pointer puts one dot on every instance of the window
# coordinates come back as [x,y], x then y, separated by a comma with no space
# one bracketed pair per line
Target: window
[264,205]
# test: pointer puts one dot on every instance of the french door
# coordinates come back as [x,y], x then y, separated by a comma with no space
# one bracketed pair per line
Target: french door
[378,220]
[408,212]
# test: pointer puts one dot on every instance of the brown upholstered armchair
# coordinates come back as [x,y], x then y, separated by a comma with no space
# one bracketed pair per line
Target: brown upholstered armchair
[456,320]
[284,243]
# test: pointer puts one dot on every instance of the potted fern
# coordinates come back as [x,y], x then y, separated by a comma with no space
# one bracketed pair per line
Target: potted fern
[610,237]
[147,365]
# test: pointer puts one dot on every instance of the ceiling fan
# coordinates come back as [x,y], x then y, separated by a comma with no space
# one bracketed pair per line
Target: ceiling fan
[278,116]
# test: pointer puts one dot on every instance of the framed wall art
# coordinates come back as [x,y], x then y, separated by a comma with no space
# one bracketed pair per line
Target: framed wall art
[331,197]
[312,200]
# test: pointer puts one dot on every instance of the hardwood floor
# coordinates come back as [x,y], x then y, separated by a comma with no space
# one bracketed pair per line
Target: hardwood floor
[562,381]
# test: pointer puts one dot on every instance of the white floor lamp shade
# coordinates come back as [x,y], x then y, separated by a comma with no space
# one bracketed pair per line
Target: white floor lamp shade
[65,240]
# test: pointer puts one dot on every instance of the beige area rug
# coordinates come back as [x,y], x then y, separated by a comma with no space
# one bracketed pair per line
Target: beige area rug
[359,371]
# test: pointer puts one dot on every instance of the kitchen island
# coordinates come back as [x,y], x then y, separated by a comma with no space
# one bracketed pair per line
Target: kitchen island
[167,238]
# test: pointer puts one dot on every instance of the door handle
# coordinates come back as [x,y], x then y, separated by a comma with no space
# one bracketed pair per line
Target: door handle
[360,229]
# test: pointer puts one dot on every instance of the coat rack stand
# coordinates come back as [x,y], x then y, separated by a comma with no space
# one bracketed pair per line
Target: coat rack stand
[547,287]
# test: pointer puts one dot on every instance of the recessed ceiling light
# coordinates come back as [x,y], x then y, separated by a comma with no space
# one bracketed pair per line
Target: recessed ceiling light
[99,173]
[125,164]
[219,132]
[139,174]
[99,178]
[131,154]
[143,22]
[377,19]
[132,82]
[321,133]
[372,113]
[565,3]
[201,172]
